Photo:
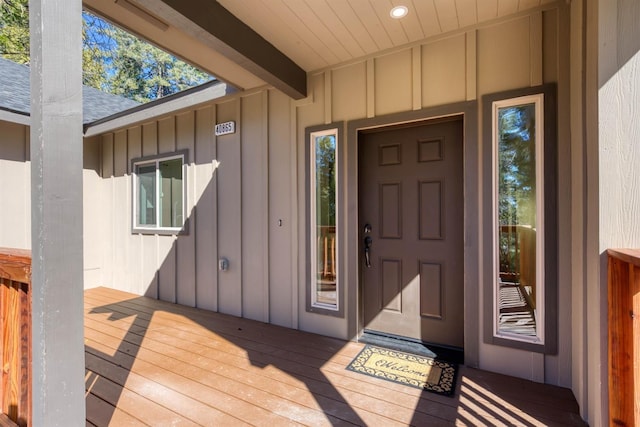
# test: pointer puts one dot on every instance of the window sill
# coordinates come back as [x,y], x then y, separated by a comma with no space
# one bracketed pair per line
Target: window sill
[161,231]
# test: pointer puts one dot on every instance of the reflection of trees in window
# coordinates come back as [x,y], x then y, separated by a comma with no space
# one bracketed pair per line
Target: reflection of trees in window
[516,180]
[171,193]
[326,180]
[147,195]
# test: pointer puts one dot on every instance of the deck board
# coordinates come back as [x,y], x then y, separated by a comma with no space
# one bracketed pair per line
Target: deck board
[150,362]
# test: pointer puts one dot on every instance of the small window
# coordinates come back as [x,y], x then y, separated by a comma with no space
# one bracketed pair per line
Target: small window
[158,194]
[324,293]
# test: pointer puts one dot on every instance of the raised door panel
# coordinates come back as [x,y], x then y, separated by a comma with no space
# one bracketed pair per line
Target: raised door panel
[390,285]
[390,209]
[430,210]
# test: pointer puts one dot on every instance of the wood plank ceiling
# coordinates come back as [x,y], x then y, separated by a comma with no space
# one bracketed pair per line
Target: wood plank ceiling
[322,33]
[302,35]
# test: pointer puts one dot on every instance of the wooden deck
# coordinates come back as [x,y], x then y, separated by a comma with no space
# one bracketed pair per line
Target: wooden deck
[160,364]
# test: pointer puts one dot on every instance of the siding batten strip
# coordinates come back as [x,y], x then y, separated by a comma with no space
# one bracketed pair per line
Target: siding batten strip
[416,62]
[371,89]
[177,267]
[328,99]
[535,49]
[238,115]
[193,203]
[471,38]
[216,213]
[193,224]
[293,161]
[266,218]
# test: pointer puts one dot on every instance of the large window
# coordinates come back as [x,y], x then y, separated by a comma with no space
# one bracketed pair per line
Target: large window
[324,293]
[522,212]
[323,262]
[158,193]
[519,219]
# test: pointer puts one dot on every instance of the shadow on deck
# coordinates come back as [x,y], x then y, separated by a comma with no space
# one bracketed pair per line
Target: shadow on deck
[150,362]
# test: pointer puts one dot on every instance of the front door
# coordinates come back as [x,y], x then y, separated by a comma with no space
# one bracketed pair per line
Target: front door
[411,228]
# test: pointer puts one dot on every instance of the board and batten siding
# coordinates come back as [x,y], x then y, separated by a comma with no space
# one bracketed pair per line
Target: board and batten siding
[235,185]
[15,186]
[15,192]
[246,191]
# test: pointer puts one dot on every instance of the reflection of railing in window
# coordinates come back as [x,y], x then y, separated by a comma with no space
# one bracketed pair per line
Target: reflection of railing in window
[326,258]
[518,258]
[517,281]
[327,253]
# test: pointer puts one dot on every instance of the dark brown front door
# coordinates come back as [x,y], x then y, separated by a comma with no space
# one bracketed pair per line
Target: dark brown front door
[411,214]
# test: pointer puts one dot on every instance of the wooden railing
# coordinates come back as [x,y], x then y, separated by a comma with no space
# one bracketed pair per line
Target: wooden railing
[624,336]
[15,324]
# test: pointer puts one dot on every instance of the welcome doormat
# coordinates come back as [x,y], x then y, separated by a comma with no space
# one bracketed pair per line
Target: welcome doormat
[404,368]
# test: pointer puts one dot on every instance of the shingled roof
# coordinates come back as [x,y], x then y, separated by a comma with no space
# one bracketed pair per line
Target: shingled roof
[15,95]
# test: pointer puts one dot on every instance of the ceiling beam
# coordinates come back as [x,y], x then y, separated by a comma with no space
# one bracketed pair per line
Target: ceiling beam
[238,42]
[173,40]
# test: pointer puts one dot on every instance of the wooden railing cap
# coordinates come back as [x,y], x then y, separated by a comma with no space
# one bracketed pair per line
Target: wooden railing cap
[15,264]
[631,256]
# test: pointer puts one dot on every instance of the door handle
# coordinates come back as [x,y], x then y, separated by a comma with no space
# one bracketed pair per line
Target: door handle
[367,251]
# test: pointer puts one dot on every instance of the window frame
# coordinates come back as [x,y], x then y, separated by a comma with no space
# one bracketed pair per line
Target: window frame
[136,228]
[544,97]
[312,305]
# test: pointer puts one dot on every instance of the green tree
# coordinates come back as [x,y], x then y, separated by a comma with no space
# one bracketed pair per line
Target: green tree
[113,60]
[142,72]
[14,41]
[93,60]
[14,30]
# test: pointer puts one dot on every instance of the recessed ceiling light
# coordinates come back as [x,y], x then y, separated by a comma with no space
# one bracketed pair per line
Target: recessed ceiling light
[399,12]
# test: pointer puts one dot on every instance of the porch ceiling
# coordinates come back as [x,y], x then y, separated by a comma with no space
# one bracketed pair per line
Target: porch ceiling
[250,43]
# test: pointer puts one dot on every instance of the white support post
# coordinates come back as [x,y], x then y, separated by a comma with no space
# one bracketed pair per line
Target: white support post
[56,218]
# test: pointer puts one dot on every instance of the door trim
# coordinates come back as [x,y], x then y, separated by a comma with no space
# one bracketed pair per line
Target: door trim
[471,195]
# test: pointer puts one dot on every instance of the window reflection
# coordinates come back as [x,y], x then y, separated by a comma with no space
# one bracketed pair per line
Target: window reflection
[171,193]
[325,220]
[517,221]
[147,195]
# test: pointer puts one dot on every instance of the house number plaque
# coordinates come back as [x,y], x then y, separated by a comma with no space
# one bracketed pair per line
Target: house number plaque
[225,128]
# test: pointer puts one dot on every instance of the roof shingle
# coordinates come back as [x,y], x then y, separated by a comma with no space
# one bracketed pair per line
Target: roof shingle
[15,95]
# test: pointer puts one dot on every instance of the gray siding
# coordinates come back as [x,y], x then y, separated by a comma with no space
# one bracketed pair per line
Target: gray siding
[232,182]
[15,191]
[15,188]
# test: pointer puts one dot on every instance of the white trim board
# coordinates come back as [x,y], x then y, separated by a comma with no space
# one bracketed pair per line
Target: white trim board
[22,119]
[162,108]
